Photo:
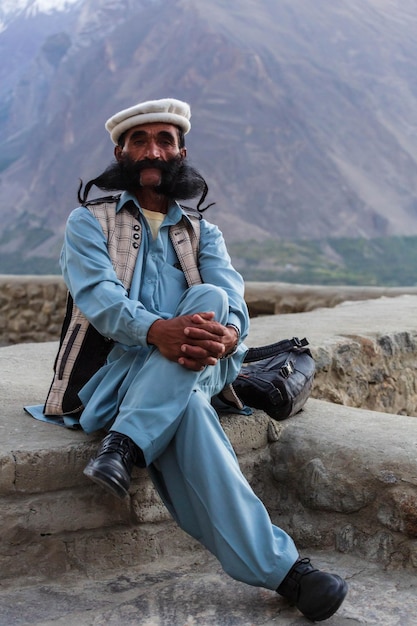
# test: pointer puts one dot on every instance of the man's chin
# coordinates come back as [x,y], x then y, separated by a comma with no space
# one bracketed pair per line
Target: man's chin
[150,178]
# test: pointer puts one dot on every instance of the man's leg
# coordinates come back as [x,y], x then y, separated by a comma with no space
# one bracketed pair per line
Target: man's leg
[200,481]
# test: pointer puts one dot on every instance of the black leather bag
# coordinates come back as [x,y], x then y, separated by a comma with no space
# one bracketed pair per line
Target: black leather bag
[277,378]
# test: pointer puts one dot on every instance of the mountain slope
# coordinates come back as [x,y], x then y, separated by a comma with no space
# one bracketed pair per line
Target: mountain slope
[304,114]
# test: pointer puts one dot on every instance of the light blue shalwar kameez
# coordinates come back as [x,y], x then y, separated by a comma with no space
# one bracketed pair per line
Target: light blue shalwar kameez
[164,407]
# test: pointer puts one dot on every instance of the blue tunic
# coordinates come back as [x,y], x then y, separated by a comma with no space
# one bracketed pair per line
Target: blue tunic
[157,288]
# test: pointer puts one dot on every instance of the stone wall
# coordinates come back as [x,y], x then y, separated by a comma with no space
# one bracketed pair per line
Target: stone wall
[377,373]
[32,307]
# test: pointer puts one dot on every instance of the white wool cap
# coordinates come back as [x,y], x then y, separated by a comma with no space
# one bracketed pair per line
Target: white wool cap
[168,110]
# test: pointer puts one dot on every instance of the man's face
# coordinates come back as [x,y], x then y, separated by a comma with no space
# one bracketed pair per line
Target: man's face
[155,141]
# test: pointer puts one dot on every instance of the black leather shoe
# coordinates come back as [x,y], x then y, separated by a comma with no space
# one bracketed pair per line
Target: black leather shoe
[316,594]
[113,464]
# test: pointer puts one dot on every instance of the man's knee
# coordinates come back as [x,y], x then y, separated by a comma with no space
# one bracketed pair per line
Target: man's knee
[213,291]
[206,297]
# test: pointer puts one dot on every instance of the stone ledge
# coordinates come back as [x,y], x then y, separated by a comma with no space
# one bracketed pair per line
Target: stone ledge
[333,476]
[276,298]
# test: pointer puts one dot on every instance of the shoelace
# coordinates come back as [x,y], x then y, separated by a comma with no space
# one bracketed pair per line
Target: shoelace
[307,562]
[301,568]
[307,566]
[116,442]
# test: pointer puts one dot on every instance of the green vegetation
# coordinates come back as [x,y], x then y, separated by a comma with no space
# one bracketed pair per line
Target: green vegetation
[385,261]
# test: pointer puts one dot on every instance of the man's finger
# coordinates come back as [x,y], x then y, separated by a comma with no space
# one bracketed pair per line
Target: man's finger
[189,364]
[203,350]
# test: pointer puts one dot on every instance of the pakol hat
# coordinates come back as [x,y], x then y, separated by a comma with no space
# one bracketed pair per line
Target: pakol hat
[168,110]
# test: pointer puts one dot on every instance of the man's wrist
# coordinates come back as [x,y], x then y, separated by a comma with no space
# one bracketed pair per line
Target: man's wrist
[234,348]
[236,329]
[151,337]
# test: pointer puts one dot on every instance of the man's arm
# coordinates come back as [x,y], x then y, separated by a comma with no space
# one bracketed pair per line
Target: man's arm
[94,286]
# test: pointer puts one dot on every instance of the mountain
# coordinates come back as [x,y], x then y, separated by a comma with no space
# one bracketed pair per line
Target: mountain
[304,114]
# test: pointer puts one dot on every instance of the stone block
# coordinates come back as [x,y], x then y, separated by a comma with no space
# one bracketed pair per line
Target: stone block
[38,471]
[346,473]
[246,432]
[52,514]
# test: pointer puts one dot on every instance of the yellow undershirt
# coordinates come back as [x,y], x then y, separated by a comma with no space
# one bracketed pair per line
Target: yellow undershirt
[154,219]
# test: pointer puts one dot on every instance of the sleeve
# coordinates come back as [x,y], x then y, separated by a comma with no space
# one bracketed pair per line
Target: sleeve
[216,268]
[90,277]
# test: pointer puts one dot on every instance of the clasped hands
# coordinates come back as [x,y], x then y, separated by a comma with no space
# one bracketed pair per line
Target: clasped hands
[194,340]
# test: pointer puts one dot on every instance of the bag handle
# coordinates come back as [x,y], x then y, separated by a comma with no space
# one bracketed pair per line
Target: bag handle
[272,349]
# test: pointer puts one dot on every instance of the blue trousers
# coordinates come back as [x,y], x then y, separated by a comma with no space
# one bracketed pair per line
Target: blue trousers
[167,412]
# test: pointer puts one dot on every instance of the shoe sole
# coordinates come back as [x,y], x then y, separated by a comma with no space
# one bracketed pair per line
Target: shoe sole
[104,481]
[330,611]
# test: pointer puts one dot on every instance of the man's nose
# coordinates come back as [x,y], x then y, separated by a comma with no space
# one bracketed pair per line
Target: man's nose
[153,151]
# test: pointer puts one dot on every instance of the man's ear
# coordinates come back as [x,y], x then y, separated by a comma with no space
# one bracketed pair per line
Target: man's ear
[183,152]
[118,153]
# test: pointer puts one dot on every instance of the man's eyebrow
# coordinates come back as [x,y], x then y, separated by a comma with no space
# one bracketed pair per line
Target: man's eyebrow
[163,134]
[166,134]
[138,133]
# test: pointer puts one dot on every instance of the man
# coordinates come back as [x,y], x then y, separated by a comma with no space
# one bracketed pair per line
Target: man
[175,348]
